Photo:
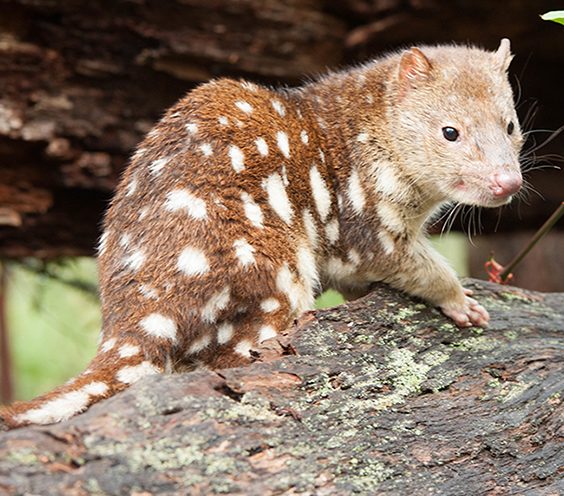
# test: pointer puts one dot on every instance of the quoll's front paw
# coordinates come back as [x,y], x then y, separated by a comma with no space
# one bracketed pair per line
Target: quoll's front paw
[471,313]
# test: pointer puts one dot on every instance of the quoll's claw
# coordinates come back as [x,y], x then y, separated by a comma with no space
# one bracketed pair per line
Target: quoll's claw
[467,315]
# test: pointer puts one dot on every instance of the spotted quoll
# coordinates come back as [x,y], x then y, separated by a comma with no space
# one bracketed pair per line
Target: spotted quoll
[244,203]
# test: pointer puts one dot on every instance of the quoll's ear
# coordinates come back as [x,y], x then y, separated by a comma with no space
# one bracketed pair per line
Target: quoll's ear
[414,67]
[503,55]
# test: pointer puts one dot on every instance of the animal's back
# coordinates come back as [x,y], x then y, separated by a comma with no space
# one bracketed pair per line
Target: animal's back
[204,226]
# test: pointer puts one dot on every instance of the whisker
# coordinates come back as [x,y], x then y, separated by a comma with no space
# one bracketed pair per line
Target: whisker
[451,218]
[468,214]
[548,140]
[519,89]
[447,209]
[529,188]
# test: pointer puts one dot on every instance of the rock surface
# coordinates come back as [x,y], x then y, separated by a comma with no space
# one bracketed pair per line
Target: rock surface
[379,396]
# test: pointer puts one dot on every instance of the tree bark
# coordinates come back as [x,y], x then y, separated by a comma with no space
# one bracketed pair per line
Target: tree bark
[379,396]
[81,82]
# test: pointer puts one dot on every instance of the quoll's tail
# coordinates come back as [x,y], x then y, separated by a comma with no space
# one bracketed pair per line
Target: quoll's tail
[114,368]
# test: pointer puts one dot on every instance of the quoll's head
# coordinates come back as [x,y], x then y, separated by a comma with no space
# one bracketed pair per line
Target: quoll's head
[454,109]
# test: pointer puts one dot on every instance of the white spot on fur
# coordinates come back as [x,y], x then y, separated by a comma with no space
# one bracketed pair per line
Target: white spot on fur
[339,202]
[128,350]
[182,199]
[159,326]
[223,120]
[148,292]
[225,332]
[157,165]
[294,291]
[354,257]
[206,149]
[139,153]
[245,252]
[310,228]
[131,187]
[244,106]
[262,147]
[356,193]
[192,127]
[125,241]
[193,262]
[386,181]
[387,242]
[200,344]
[252,210]
[283,144]
[108,345]
[237,158]
[304,137]
[278,198]
[269,305]
[102,244]
[390,217]
[64,406]
[307,268]
[321,195]
[321,156]
[249,86]
[277,105]
[244,348]
[134,260]
[216,304]
[362,138]
[95,388]
[332,231]
[132,373]
[143,212]
[336,269]
[266,332]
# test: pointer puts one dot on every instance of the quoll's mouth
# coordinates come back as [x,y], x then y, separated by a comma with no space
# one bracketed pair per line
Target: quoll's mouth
[479,191]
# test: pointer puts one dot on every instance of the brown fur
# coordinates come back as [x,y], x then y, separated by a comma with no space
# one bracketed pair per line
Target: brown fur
[374,137]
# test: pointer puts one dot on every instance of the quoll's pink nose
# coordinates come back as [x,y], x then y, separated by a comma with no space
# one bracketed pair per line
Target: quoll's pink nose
[506,183]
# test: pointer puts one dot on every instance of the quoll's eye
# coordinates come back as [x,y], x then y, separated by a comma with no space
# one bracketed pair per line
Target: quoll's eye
[450,133]
[510,127]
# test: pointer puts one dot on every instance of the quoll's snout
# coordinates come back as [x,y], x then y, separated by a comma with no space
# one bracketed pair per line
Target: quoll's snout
[506,183]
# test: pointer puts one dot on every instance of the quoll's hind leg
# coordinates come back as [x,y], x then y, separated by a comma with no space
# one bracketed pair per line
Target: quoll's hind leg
[235,335]
[119,362]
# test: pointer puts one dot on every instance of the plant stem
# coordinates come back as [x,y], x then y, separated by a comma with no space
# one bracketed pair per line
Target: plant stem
[547,226]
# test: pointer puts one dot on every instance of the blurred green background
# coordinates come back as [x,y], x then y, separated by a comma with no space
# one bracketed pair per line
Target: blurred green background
[53,327]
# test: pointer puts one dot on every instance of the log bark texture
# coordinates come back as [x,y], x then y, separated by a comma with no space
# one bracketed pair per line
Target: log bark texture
[81,82]
[379,396]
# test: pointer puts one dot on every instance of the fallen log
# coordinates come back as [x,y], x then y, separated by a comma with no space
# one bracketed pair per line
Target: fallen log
[379,396]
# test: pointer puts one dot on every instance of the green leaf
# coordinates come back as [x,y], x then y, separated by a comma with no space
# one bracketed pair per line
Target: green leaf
[554,15]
